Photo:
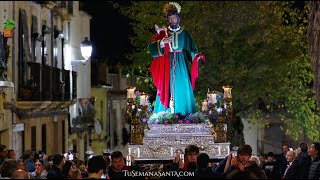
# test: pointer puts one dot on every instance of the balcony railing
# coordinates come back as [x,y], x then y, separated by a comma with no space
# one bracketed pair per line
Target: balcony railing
[47,83]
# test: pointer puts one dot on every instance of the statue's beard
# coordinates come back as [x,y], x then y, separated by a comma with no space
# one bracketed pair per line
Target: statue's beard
[174,26]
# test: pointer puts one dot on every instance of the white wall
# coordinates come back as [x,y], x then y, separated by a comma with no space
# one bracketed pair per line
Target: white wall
[250,133]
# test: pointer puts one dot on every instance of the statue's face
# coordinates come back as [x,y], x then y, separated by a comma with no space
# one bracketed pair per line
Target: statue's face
[173,21]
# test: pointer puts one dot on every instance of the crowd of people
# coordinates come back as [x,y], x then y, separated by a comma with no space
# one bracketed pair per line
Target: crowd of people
[299,163]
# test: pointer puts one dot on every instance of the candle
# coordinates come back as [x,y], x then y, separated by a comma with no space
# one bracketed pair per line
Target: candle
[214,97]
[130,92]
[227,92]
[143,99]
[204,105]
[209,98]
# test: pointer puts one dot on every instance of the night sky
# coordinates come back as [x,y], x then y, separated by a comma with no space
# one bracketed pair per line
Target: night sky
[105,19]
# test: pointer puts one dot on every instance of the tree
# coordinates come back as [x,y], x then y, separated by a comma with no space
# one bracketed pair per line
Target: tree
[259,48]
[313,43]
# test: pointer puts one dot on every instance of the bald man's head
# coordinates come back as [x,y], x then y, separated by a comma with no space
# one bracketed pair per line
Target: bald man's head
[290,156]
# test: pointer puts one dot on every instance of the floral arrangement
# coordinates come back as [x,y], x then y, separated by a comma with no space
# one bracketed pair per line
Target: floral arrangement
[166,117]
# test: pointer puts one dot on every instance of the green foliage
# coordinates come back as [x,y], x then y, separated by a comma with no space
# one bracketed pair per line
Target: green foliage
[9,24]
[258,47]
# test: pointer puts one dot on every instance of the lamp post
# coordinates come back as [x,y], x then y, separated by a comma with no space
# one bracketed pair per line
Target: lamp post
[86,48]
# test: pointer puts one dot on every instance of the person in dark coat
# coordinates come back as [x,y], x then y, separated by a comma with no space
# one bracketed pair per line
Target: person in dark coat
[119,169]
[220,167]
[67,169]
[55,172]
[292,170]
[269,165]
[281,162]
[188,163]
[314,153]
[242,167]
[304,161]
[203,170]
[96,166]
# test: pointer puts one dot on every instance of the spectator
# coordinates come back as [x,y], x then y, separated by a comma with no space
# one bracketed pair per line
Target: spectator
[82,168]
[76,174]
[3,153]
[67,169]
[96,166]
[22,164]
[262,160]
[243,168]
[188,163]
[8,167]
[292,170]
[268,167]
[29,160]
[11,154]
[221,165]
[20,174]
[203,170]
[281,162]
[118,168]
[40,172]
[55,172]
[304,161]
[314,153]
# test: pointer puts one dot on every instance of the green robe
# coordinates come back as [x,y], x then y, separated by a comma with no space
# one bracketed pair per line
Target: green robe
[184,102]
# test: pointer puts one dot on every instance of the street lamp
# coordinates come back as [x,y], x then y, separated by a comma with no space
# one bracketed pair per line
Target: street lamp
[86,48]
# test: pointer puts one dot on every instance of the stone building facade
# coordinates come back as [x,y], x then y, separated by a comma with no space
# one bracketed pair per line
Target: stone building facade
[38,109]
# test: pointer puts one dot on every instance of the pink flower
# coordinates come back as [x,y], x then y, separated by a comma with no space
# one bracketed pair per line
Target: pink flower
[176,116]
[187,121]
[165,122]
[144,120]
[156,122]
[180,121]
[196,120]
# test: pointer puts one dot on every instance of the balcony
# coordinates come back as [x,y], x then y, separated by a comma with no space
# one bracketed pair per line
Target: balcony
[47,83]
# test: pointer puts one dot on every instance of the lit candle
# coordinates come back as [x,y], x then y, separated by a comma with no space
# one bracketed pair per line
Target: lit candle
[204,105]
[227,92]
[214,97]
[130,92]
[143,99]
[209,98]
